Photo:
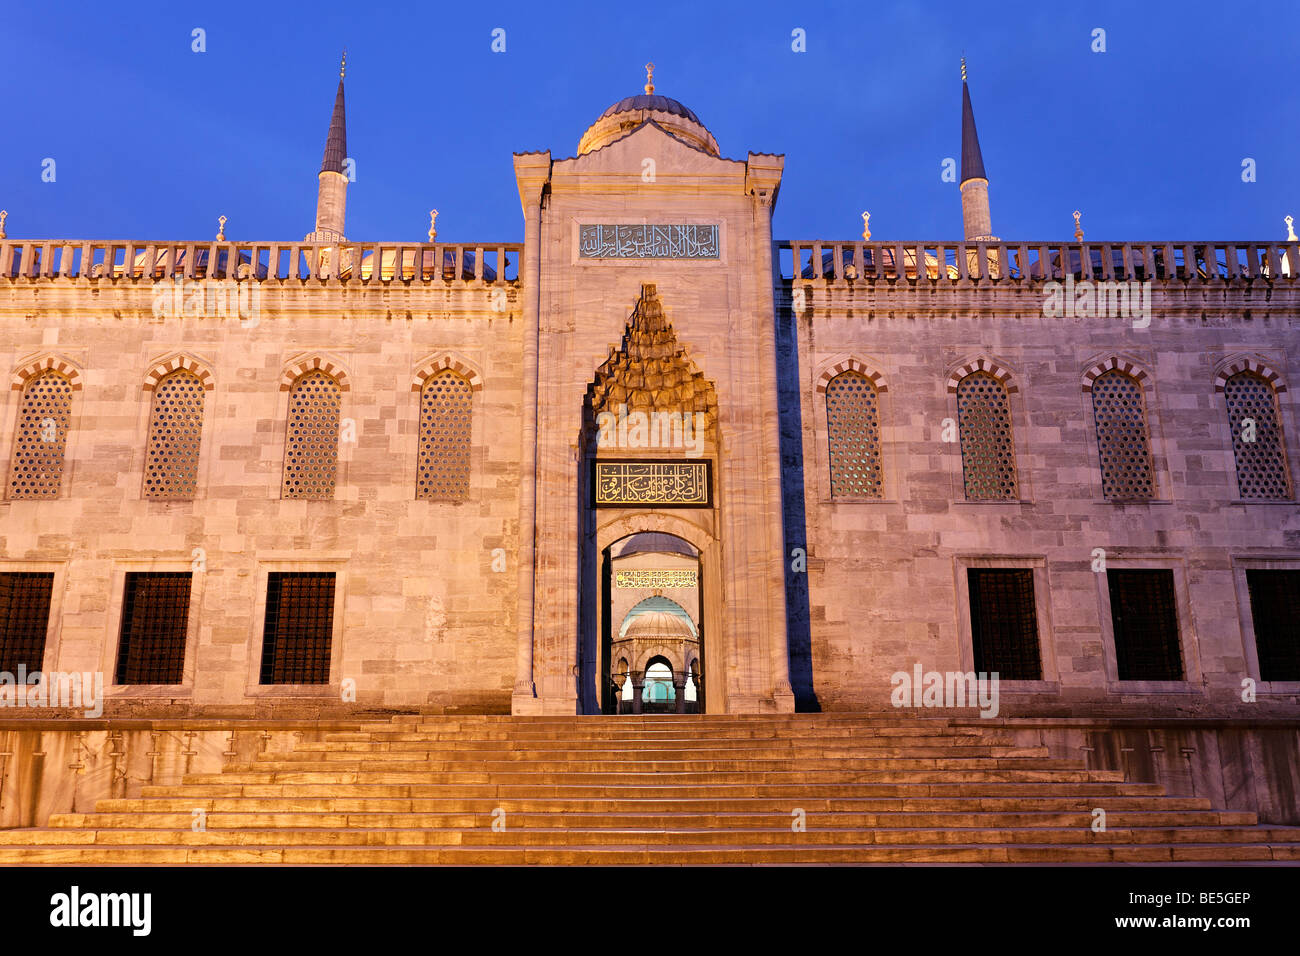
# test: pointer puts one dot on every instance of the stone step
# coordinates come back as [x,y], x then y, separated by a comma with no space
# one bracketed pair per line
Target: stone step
[259,819]
[352,804]
[738,854]
[923,746]
[813,767]
[801,793]
[628,778]
[623,837]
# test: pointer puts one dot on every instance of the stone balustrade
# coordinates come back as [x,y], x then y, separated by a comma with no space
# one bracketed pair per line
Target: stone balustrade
[479,264]
[1209,262]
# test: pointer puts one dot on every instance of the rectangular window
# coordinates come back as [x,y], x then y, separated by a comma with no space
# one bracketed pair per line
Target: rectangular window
[1004,622]
[155,620]
[1275,609]
[1144,612]
[299,625]
[24,619]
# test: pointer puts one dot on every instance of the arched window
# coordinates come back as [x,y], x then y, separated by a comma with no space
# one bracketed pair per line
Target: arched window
[988,457]
[1257,437]
[443,472]
[853,423]
[171,468]
[44,417]
[1122,440]
[312,444]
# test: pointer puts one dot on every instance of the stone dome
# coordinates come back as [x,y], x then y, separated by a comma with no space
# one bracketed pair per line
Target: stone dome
[630,112]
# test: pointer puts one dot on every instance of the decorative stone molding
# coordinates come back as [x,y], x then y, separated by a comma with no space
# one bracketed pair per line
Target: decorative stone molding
[301,366]
[982,364]
[58,363]
[442,361]
[1246,363]
[1127,366]
[876,378]
[173,363]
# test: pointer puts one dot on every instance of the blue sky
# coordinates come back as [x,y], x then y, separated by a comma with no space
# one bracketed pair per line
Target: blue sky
[153,141]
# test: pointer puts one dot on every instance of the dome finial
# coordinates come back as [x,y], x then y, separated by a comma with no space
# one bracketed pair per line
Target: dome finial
[649,78]
[343,64]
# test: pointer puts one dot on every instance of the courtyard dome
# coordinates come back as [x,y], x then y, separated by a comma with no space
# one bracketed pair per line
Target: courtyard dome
[631,111]
[659,626]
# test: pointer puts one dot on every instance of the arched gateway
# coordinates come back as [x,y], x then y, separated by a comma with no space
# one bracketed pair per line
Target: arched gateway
[649,341]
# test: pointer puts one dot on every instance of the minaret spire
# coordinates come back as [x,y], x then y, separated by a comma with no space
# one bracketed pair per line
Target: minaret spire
[974,181]
[332,192]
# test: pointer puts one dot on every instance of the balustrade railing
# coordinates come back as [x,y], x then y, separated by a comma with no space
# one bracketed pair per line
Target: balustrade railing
[1104,261]
[479,263]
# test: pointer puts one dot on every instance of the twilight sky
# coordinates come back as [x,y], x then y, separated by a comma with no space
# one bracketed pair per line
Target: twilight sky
[152,140]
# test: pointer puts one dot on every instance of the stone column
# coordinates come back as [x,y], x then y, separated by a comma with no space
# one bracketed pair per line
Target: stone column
[679,686]
[638,686]
[762,180]
[532,171]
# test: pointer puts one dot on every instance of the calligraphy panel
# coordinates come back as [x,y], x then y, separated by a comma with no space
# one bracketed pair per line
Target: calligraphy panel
[651,578]
[655,483]
[647,241]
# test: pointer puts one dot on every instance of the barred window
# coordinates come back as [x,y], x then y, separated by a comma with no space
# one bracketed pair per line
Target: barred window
[1122,441]
[853,421]
[988,457]
[444,438]
[1257,437]
[44,417]
[1004,622]
[1145,618]
[172,460]
[298,628]
[312,445]
[1275,611]
[155,620]
[24,619]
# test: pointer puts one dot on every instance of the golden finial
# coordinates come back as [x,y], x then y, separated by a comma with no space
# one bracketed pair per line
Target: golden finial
[649,78]
[1290,231]
[1078,229]
[221,229]
[343,64]
[963,69]
[433,228]
[4,214]
[866,226]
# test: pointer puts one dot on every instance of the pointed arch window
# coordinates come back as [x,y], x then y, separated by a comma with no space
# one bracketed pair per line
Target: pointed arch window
[853,423]
[41,438]
[988,455]
[445,410]
[1123,442]
[312,443]
[171,467]
[1262,471]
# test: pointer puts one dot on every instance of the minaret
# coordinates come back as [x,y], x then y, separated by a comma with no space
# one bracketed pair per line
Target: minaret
[974,183]
[332,195]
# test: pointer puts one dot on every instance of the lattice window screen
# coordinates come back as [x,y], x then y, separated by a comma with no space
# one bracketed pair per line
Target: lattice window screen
[443,472]
[984,424]
[1275,611]
[312,447]
[1122,439]
[1261,463]
[853,421]
[299,627]
[155,619]
[41,437]
[24,619]
[1004,622]
[172,458]
[1144,612]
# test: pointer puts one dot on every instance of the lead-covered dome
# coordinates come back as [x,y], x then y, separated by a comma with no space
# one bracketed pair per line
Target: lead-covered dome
[631,111]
